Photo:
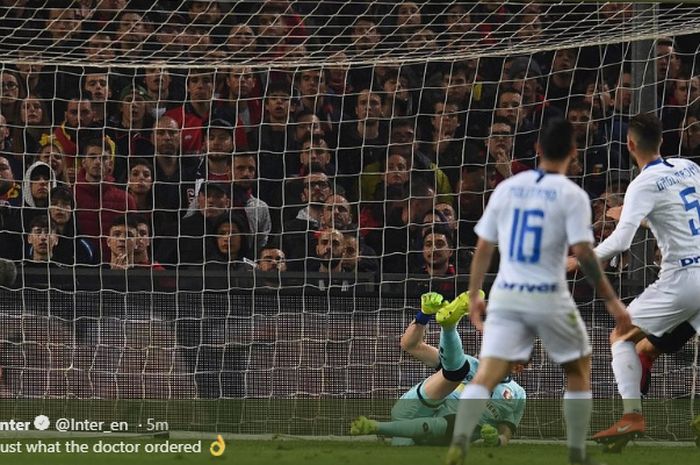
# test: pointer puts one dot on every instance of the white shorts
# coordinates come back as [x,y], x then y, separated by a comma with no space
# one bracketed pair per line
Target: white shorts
[671,300]
[510,335]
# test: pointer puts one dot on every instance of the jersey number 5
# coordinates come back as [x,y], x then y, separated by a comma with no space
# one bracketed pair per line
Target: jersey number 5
[526,237]
[689,205]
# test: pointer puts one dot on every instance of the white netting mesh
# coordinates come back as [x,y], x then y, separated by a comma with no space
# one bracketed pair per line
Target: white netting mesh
[361,140]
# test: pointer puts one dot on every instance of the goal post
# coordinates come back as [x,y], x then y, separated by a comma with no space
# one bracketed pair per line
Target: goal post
[223,213]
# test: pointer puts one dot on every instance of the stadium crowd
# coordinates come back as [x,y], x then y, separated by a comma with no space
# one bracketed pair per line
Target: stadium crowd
[356,168]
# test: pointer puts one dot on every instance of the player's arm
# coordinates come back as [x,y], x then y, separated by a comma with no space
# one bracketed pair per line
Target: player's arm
[480,265]
[413,339]
[505,433]
[638,204]
[413,342]
[590,265]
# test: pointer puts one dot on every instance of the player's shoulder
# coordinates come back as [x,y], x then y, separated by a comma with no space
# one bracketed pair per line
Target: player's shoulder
[509,391]
[517,390]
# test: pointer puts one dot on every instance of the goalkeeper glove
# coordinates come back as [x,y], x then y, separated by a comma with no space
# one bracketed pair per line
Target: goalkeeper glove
[490,436]
[431,302]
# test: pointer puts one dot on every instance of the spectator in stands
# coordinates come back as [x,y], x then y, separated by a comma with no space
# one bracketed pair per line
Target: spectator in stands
[668,66]
[695,89]
[613,128]
[63,27]
[408,19]
[98,201]
[314,153]
[255,210]
[140,183]
[311,84]
[365,35]
[272,258]
[10,222]
[193,116]
[34,122]
[157,82]
[337,214]
[71,248]
[690,140]
[398,99]
[274,135]
[472,200]
[530,26]
[307,126]
[96,85]
[509,107]
[98,48]
[623,96]
[12,93]
[242,106]
[173,177]
[445,144]
[271,30]
[231,245]
[38,181]
[133,29]
[561,77]
[458,80]
[38,81]
[213,202]
[42,240]
[596,93]
[297,238]
[218,148]
[51,153]
[78,115]
[526,77]
[204,12]
[448,214]
[338,80]
[142,247]
[603,225]
[499,152]
[5,141]
[121,243]
[401,237]
[458,26]
[357,257]
[397,172]
[596,156]
[131,130]
[328,255]
[362,140]
[403,139]
[241,41]
[674,112]
[438,249]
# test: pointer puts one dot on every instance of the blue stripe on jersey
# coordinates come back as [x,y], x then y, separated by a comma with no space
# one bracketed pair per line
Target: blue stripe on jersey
[658,161]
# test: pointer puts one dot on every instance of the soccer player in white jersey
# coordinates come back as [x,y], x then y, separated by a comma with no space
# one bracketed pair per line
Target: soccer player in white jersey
[534,217]
[667,195]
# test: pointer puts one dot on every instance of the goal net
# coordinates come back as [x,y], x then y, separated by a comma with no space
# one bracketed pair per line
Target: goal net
[230,209]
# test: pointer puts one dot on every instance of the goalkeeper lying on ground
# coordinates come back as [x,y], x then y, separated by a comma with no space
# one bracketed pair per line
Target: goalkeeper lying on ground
[425,413]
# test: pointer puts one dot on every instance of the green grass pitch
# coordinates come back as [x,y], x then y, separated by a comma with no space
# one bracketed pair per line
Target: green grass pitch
[296,452]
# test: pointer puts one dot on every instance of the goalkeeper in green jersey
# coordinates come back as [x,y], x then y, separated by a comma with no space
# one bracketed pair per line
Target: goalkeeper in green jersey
[425,413]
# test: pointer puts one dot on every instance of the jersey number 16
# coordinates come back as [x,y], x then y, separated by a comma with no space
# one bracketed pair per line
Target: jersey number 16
[526,237]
